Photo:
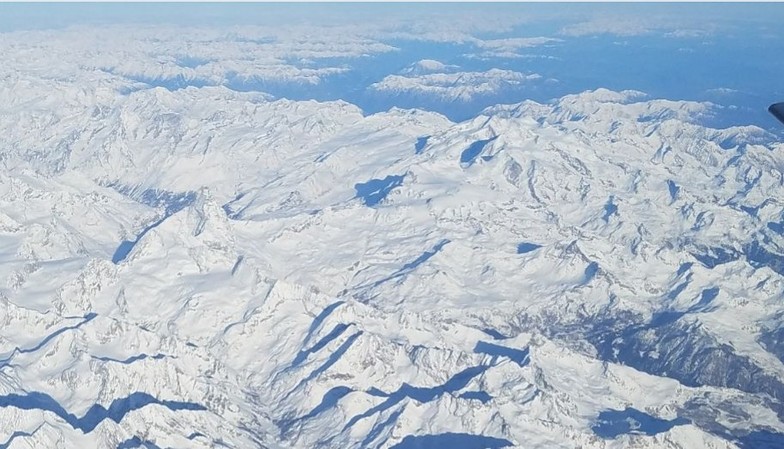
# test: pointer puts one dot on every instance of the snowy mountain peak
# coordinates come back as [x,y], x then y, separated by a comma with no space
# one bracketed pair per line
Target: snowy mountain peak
[425,66]
[200,267]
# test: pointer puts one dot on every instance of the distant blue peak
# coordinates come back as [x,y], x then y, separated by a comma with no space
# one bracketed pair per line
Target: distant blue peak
[375,190]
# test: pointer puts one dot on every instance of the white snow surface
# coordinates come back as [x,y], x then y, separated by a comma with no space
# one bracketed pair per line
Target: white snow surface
[425,66]
[454,86]
[268,300]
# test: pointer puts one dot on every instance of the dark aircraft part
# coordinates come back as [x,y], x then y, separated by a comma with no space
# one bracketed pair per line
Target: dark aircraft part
[778,111]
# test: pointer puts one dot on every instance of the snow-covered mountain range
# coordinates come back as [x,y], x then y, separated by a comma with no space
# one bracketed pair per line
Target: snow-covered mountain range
[450,85]
[202,267]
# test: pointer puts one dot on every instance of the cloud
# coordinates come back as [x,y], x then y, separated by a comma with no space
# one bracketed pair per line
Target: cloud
[509,48]
[689,33]
[457,24]
[619,26]
[513,44]
[639,25]
[722,91]
[298,53]
[201,56]
[509,55]
[459,86]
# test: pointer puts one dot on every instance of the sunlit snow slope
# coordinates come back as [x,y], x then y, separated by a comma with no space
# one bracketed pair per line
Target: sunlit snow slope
[206,268]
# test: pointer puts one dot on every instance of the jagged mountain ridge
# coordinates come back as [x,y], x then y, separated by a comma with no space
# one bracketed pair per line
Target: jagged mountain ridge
[252,272]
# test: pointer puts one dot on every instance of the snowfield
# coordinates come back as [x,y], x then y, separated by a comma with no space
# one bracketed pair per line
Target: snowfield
[201,267]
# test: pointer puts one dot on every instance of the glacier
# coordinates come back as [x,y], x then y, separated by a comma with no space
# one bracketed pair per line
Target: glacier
[205,267]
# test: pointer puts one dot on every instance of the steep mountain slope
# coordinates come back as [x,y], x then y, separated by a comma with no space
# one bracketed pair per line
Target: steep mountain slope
[204,268]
